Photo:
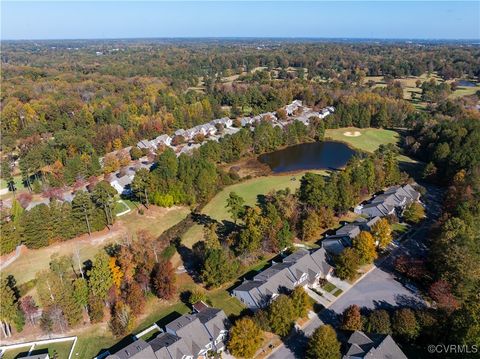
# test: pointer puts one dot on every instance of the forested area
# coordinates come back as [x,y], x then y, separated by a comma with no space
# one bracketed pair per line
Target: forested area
[115,284]
[281,216]
[66,104]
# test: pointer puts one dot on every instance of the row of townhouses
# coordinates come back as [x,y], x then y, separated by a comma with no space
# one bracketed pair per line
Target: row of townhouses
[190,336]
[211,132]
[391,202]
[301,268]
[305,268]
[122,179]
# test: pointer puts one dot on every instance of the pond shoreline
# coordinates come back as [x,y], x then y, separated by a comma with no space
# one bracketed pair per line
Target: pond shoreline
[320,155]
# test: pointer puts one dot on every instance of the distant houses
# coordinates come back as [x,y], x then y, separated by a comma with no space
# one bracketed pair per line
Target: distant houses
[183,141]
[301,268]
[372,346]
[189,336]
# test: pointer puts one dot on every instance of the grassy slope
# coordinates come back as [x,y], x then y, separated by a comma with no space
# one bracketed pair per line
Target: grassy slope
[249,190]
[32,261]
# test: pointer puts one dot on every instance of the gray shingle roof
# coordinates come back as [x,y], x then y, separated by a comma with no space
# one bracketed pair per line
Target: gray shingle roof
[292,271]
[373,346]
[139,349]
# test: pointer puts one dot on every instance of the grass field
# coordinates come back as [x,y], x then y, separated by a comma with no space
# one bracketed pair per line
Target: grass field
[30,262]
[17,180]
[369,140]
[464,91]
[412,92]
[62,350]
[249,190]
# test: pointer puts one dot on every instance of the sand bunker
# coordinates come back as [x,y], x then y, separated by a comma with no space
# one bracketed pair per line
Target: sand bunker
[352,134]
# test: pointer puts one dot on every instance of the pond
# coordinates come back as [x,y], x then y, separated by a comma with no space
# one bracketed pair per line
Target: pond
[308,156]
[466,83]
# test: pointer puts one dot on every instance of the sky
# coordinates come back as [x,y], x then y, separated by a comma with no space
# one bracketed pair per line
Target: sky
[313,19]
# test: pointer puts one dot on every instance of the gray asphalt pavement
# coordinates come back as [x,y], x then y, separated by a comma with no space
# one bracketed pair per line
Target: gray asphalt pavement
[378,289]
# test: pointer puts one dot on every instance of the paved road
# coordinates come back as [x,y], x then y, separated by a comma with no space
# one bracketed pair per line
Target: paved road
[378,289]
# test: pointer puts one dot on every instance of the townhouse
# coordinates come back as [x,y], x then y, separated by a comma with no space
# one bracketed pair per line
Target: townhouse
[345,235]
[372,346]
[301,268]
[187,337]
[391,202]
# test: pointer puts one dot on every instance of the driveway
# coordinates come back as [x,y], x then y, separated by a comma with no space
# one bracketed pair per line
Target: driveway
[378,289]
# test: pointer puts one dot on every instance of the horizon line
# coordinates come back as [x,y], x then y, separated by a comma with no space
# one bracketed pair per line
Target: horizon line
[247,37]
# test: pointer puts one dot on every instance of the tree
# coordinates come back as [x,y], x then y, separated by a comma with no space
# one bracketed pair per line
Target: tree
[347,264]
[29,308]
[441,292]
[117,273]
[100,276]
[315,222]
[404,323]
[6,174]
[60,265]
[414,213]
[379,322]
[245,338]
[95,309]
[197,295]
[9,311]
[135,153]
[323,344]
[281,315]
[210,236]
[364,246]
[466,323]
[140,185]
[351,318]
[164,279]
[382,233]
[122,321]
[134,297]
[103,195]
[235,206]
[251,236]
[301,302]
[80,292]
[219,267]
[82,210]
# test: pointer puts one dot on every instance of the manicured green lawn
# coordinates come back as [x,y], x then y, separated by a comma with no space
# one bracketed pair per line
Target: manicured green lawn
[157,221]
[12,354]
[329,287]
[61,349]
[464,91]
[337,292]
[369,140]
[223,300]
[249,190]
[17,180]
[120,206]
